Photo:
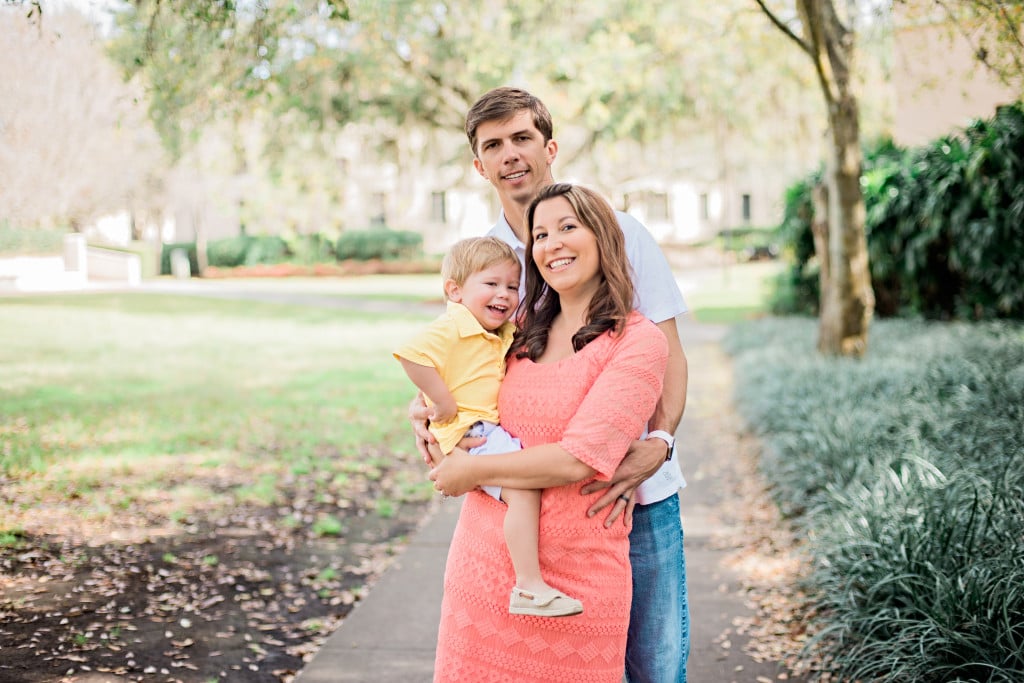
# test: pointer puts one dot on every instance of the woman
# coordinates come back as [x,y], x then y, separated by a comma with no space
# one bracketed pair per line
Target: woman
[584,374]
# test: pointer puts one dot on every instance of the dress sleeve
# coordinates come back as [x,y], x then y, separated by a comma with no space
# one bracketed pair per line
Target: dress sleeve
[621,400]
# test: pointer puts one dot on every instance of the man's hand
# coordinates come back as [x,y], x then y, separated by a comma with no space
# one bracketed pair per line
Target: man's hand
[642,460]
[419,414]
[453,476]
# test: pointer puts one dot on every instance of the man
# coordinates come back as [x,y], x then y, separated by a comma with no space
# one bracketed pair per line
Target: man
[510,132]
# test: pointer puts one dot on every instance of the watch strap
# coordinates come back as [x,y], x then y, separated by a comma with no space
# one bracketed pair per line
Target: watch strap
[667,438]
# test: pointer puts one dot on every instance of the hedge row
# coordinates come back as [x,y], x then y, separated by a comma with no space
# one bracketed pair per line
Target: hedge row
[36,242]
[945,226]
[251,250]
[903,471]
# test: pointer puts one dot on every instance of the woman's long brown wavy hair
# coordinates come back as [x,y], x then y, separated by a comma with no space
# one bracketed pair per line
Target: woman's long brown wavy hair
[613,300]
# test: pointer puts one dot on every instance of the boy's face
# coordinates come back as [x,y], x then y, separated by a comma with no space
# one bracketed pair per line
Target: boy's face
[491,294]
[513,156]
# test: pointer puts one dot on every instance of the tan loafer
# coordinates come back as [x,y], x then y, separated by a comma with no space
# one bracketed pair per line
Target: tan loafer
[552,604]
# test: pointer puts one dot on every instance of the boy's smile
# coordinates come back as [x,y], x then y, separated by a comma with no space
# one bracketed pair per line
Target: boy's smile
[491,294]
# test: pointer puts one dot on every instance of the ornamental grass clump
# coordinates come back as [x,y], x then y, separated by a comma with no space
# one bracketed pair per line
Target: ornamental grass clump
[905,470]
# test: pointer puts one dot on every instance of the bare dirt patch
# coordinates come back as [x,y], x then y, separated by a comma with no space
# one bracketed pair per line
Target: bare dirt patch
[240,593]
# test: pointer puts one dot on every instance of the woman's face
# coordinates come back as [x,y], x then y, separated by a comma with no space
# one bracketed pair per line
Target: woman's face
[564,249]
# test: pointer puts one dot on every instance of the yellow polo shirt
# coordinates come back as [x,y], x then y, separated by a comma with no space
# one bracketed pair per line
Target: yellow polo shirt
[470,360]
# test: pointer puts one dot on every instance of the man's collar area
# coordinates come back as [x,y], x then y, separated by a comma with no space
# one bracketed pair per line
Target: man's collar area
[504,225]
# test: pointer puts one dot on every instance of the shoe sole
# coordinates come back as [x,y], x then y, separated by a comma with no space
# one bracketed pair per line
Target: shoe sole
[540,612]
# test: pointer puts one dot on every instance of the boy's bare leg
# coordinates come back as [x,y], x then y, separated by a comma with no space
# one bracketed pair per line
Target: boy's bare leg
[522,534]
[436,454]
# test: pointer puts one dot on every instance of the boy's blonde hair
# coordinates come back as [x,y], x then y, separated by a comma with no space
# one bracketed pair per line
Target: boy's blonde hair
[472,255]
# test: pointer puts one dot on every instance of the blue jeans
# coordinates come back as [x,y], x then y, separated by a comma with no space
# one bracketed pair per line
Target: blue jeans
[659,619]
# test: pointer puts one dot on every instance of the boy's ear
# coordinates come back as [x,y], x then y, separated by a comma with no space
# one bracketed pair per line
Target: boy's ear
[452,291]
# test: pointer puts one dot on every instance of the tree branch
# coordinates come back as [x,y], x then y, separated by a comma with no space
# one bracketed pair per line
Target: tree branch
[779,24]
[980,54]
[818,47]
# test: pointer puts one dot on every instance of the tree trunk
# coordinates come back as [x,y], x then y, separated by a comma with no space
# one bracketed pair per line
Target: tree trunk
[848,303]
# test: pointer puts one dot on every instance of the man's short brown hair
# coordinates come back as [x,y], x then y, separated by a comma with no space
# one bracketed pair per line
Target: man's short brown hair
[501,104]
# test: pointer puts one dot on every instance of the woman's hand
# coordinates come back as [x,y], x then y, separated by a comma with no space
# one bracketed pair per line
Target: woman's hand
[454,475]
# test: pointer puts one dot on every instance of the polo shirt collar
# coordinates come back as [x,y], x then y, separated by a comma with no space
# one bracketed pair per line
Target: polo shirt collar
[468,326]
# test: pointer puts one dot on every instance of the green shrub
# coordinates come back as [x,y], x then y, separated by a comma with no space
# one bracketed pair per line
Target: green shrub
[309,249]
[797,290]
[384,244]
[228,252]
[988,230]
[265,249]
[903,469]
[31,241]
[944,224]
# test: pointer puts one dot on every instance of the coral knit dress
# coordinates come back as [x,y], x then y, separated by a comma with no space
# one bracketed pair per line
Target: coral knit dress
[593,404]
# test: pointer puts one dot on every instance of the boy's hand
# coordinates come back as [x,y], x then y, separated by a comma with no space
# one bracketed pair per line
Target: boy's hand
[443,413]
[468,443]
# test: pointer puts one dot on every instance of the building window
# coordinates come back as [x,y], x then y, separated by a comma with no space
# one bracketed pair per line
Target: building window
[705,206]
[657,207]
[438,207]
[378,210]
[746,208]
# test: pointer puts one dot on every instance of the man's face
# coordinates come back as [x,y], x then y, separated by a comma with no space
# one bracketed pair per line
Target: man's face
[513,156]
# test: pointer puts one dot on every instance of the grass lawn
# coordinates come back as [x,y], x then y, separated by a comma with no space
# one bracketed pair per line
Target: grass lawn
[231,470]
[729,293]
[108,399]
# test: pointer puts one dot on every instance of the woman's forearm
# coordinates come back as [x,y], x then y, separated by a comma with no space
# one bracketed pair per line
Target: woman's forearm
[531,468]
[538,467]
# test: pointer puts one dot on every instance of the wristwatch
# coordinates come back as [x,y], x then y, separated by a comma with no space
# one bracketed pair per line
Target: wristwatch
[667,438]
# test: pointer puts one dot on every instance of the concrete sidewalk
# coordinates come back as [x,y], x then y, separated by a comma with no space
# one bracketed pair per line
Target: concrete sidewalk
[390,636]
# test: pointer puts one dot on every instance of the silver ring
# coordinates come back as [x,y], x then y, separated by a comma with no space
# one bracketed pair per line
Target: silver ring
[623,496]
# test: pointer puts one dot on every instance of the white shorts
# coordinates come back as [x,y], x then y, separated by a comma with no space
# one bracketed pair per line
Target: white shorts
[498,441]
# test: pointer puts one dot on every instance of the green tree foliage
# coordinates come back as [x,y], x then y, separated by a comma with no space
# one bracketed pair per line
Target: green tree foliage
[945,224]
[203,59]
[634,70]
[994,30]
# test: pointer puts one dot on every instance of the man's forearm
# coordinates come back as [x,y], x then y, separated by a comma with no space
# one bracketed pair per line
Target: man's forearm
[669,410]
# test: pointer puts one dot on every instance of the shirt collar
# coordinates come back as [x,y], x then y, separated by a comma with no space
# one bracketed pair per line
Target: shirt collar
[468,326]
[505,232]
